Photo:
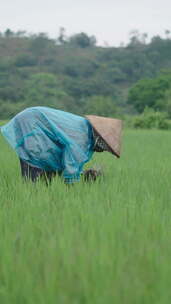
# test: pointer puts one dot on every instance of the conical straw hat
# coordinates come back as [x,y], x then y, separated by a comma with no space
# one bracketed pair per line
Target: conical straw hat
[109,129]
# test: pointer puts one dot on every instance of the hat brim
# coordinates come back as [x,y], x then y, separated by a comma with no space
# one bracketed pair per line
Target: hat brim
[110,130]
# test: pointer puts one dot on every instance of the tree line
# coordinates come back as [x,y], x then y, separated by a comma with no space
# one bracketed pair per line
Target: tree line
[74,74]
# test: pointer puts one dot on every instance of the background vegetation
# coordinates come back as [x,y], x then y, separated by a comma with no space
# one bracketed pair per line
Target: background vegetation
[74,74]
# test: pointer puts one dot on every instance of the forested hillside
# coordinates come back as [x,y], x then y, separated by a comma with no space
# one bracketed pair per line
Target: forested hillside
[74,74]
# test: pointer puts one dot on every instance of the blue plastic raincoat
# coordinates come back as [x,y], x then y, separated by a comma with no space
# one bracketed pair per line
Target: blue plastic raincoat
[51,139]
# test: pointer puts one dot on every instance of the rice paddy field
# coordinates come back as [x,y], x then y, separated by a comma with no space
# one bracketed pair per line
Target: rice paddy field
[102,243]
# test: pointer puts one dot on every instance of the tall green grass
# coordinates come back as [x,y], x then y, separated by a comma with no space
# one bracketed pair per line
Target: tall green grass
[101,243]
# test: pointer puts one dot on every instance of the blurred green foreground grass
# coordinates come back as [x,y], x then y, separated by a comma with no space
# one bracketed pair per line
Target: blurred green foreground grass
[101,243]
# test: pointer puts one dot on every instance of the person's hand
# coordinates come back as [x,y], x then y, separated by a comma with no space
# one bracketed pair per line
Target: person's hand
[90,175]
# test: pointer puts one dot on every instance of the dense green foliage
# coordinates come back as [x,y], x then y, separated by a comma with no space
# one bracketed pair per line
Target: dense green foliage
[103,243]
[74,74]
[150,119]
[153,93]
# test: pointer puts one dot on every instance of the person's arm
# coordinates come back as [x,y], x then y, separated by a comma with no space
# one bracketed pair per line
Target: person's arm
[71,172]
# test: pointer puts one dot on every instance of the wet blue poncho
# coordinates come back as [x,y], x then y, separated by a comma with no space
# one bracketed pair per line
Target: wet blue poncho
[52,140]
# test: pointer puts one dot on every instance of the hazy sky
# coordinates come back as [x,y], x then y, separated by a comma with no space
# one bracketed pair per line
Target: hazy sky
[109,20]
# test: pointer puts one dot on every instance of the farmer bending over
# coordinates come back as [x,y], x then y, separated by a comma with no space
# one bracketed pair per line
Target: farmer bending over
[49,141]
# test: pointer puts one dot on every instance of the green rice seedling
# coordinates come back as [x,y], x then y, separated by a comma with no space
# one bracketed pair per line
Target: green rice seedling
[93,243]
